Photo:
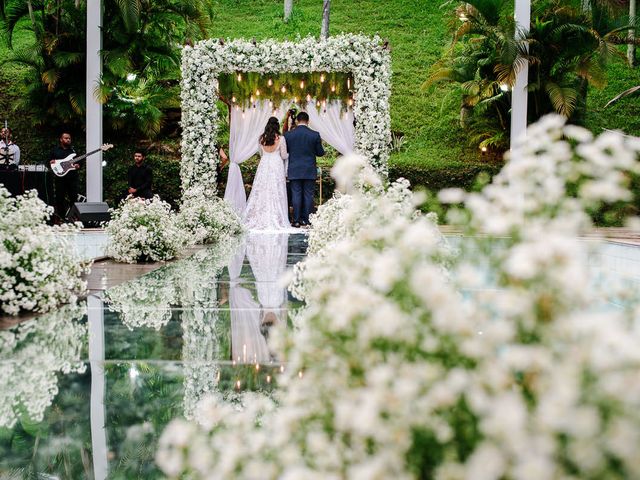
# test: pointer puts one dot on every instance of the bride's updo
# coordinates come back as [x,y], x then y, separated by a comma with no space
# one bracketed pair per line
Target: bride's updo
[271,131]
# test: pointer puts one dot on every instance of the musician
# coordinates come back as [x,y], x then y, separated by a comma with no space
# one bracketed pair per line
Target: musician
[140,177]
[9,151]
[66,188]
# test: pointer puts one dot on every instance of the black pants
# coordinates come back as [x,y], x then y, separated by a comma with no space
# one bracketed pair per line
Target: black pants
[66,193]
[302,199]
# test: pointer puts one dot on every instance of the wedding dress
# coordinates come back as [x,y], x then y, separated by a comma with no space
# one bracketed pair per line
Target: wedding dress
[267,207]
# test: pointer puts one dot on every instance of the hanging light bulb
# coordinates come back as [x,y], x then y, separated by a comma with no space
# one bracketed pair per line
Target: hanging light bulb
[322,78]
[239,77]
[333,88]
[350,102]
[270,104]
[270,82]
[283,89]
[302,84]
[233,99]
[237,384]
[251,99]
[295,100]
[308,98]
[348,83]
[318,103]
[257,93]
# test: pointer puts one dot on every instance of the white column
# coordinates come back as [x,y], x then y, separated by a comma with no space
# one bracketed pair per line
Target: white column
[94,108]
[95,315]
[519,97]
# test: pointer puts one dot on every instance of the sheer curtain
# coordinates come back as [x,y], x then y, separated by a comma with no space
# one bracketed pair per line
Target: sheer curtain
[334,126]
[246,127]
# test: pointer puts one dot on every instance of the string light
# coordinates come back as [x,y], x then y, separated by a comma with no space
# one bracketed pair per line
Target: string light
[251,99]
[318,103]
[257,367]
[333,88]
[283,89]
[295,100]
[257,93]
[308,98]
[348,83]
[239,77]
[237,384]
[270,104]
[483,149]
[350,102]
[322,78]
[268,378]
[270,82]
[302,84]
[233,99]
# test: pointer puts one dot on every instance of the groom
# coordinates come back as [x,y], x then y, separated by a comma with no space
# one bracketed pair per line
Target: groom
[304,145]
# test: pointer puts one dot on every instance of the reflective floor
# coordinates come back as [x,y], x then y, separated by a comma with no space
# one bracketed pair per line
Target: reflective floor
[85,392]
[89,397]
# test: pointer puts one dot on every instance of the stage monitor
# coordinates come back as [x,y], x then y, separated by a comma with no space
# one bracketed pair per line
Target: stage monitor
[91,214]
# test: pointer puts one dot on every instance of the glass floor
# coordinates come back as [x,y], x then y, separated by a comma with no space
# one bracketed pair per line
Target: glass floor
[89,397]
[86,391]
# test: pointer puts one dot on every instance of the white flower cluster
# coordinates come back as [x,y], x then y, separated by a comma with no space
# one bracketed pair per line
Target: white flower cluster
[39,268]
[31,356]
[366,58]
[207,219]
[508,365]
[144,230]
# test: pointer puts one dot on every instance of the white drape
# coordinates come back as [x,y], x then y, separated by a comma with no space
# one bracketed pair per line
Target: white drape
[334,126]
[246,127]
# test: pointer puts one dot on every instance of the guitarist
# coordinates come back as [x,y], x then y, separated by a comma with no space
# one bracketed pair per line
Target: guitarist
[66,188]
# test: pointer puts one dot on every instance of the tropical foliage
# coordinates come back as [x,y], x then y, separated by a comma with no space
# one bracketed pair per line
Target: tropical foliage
[567,49]
[142,41]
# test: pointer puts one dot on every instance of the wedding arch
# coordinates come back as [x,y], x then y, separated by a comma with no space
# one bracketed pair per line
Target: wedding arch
[366,59]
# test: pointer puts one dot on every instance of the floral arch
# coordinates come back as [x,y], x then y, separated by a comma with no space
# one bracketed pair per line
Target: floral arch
[367,59]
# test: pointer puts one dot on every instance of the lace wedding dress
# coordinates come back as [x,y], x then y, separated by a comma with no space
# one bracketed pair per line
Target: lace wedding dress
[267,208]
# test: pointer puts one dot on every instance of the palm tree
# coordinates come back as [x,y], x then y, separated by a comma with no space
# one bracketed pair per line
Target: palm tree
[288,7]
[566,53]
[326,10]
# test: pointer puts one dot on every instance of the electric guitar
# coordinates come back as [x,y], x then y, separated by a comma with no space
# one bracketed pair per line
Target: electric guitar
[64,165]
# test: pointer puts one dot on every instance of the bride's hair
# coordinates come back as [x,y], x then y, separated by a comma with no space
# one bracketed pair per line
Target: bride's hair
[271,131]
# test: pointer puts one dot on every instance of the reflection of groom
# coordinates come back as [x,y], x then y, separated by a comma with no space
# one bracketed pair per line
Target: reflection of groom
[304,145]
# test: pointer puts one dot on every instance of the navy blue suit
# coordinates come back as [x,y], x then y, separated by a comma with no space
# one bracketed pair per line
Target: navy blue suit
[303,145]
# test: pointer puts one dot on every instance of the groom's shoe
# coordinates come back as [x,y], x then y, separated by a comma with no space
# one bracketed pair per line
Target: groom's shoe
[295,225]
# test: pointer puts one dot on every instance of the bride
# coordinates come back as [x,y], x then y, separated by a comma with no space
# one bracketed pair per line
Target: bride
[267,205]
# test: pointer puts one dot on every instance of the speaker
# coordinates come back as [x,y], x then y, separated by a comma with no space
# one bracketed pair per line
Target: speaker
[91,214]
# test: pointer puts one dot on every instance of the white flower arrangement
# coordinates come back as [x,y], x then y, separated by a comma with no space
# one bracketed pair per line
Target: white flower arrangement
[32,355]
[144,230]
[508,366]
[39,268]
[207,219]
[366,58]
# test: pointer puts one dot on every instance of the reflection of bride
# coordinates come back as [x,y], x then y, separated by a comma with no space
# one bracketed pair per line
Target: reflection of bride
[251,320]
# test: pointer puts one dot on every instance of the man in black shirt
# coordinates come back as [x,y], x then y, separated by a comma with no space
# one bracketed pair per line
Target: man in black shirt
[140,177]
[66,188]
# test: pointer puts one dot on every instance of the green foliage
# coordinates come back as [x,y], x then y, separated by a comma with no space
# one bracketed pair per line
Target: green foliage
[245,88]
[567,50]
